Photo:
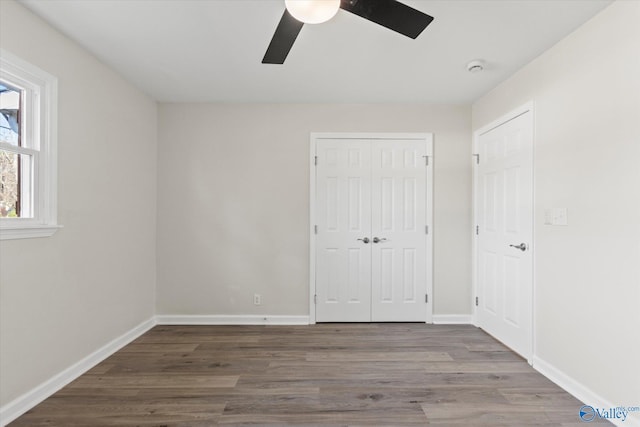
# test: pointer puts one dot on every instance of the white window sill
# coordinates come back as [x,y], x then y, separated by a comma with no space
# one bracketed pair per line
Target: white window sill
[28,231]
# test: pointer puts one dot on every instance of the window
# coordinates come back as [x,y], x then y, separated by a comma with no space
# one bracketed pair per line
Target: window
[27,150]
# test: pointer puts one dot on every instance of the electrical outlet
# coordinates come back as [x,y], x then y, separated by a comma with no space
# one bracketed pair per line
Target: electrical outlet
[257,299]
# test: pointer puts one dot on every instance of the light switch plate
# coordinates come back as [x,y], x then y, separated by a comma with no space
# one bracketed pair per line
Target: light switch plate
[556,216]
[560,216]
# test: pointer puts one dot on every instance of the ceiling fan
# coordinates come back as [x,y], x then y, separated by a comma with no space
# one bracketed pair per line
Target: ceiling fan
[391,14]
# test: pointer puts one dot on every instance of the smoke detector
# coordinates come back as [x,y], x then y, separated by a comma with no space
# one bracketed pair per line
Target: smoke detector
[475,66]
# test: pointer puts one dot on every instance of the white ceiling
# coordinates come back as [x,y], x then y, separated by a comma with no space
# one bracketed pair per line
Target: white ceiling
[211,50]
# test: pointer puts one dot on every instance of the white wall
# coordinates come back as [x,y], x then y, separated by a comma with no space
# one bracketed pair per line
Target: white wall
[587,152]
[65,296]
[233,202]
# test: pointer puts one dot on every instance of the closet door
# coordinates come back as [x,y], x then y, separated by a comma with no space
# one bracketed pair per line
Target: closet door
[371,247]
[343,215]
[399,234]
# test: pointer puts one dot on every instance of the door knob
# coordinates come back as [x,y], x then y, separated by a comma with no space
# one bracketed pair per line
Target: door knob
[378,240]
[521,246]
[365,240]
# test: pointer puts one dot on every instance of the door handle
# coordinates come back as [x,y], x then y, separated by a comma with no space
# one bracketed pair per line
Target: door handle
[378,240]
[521,246]
[365,240]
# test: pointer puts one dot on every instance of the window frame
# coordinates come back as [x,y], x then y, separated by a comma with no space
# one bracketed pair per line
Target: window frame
[39,124]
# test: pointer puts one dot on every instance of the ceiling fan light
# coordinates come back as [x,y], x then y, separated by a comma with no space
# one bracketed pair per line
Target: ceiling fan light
[312,11]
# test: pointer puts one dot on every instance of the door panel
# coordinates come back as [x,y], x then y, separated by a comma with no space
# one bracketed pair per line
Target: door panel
[343,264]
[398,200]
[505,219]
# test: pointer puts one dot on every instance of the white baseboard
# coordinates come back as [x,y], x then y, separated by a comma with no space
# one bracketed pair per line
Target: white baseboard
[22,404]
[582,393]
[452,319]
[170,319]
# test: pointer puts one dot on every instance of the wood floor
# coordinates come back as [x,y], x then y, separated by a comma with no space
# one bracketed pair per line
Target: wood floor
[327,374]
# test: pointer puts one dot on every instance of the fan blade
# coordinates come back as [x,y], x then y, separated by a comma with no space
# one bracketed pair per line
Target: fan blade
[391,14]
[283,39]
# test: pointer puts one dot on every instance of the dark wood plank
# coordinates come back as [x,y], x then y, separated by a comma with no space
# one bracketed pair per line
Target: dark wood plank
[327,374]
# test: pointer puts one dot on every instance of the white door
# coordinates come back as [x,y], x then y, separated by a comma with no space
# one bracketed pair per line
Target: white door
[399,223]
[371,242]
[343,212]
[505,232]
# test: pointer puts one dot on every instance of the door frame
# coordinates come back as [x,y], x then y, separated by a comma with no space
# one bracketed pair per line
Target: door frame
[527,107]
[314,137]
